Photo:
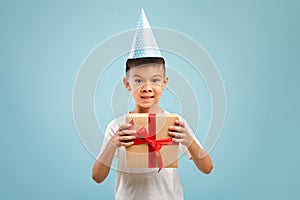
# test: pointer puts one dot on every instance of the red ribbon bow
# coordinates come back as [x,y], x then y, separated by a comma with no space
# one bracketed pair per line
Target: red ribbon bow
[143,137]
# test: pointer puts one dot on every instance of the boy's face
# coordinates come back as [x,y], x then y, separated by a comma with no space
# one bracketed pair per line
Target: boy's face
[146,84]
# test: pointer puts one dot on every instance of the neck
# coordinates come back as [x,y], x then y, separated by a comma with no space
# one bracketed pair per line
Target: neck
[154,109]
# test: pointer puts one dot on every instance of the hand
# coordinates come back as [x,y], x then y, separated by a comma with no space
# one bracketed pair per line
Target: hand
[124,136]
[180,134]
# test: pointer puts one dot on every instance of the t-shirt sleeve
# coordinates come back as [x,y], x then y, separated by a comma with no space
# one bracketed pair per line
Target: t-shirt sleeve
[182,148]
[109,132]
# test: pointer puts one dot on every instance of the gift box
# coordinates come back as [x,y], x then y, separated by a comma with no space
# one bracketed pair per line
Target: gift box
[153,147]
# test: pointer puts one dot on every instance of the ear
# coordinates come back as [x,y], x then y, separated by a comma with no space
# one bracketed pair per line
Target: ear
[165,82]
[126,83]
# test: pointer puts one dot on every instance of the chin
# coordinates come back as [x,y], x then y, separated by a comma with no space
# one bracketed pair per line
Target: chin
[145,106]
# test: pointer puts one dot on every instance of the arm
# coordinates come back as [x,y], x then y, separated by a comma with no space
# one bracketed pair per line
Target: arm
[102,165]
[199,156]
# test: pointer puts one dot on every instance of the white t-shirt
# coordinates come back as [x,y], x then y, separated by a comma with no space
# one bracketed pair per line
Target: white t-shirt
[144,184]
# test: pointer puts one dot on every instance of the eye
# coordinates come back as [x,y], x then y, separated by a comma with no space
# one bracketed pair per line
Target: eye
[156,80]
[138,81]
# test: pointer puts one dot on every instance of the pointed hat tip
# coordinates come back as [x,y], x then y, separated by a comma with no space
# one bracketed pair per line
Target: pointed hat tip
[143,12]
[144,43]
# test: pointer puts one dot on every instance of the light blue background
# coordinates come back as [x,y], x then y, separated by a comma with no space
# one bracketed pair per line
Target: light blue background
[255,45]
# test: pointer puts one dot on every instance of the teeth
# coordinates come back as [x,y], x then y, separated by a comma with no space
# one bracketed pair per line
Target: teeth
[147,97]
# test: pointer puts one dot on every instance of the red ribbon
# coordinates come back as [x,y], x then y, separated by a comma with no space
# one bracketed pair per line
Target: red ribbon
[154,145]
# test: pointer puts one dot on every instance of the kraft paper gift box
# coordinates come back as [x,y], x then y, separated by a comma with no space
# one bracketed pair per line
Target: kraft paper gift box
[153,147]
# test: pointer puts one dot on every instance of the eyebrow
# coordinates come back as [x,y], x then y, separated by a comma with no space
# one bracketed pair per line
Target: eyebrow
[137,76]
[156,75]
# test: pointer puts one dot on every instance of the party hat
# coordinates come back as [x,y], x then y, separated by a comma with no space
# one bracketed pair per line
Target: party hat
[144,43]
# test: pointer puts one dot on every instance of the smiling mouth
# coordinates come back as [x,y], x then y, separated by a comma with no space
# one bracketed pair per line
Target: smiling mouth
[147,97]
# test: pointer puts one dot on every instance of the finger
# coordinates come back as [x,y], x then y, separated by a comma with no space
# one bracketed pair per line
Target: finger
[124,127]
[177,135]
[176,129]
[127,144]
[179,123]
[127,132]
[176,140]
[127,138]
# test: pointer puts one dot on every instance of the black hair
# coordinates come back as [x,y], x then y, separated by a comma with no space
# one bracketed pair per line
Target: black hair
[134,62]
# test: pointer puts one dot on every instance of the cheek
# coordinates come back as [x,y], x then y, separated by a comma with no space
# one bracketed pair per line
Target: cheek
[135,89]
[158,92]
[135,93]
[158,95]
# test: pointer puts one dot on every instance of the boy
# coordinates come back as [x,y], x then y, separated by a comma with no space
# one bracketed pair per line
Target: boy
[146,79]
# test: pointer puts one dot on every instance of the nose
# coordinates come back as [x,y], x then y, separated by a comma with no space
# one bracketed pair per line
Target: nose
[146,88]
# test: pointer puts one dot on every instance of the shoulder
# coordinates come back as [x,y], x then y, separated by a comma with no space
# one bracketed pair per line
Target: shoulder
[114,124]
[117,121]
[179,116]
